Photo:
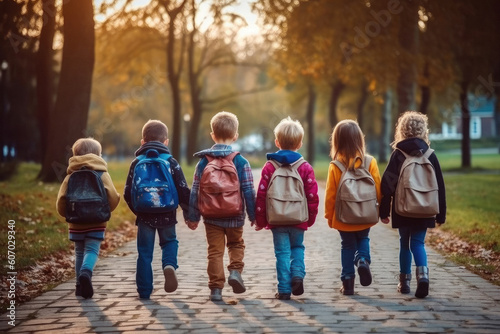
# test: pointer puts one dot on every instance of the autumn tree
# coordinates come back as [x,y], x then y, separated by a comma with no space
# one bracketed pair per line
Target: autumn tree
[68,121]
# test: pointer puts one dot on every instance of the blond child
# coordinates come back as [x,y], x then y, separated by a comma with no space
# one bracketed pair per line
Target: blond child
[288,238]
[222,229]
[347,145]
[411,137]
[86,236]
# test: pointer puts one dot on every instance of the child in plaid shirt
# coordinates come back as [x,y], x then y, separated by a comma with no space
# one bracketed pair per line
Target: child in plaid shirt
[228,230]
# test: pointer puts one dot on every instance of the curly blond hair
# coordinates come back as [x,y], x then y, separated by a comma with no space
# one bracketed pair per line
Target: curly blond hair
[411,124]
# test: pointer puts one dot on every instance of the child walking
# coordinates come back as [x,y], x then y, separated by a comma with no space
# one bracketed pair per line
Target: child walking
[411,138]
[155,139]
[288,235]
[223,220]
[348,148]
[87,236]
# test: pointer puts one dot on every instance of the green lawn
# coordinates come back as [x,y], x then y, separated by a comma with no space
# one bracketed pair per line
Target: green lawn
[472,199]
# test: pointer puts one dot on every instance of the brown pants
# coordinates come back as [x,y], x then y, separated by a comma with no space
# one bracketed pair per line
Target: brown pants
[216,239]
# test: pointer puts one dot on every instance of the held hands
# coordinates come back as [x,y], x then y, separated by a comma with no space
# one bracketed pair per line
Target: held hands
[385,220]
[192,225]
[254,223]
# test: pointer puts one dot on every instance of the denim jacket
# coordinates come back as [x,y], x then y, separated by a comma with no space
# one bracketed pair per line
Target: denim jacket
[246,186]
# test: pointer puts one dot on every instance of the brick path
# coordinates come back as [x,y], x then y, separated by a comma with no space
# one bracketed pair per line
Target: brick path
[459,301]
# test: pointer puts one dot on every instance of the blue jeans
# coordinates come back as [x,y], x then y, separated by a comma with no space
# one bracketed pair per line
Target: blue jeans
[289,251]
[145,247]
[86,254]
[411,241]
[354,245]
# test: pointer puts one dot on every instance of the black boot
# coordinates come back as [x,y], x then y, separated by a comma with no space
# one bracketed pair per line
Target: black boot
[404,283]
[347,286]
[85,280]
[422,282]
[365,275]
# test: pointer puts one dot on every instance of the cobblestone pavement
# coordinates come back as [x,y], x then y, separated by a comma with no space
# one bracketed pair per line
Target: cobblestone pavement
[459,301]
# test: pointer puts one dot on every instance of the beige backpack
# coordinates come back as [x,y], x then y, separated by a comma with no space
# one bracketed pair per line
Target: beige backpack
[356,199]
[417,190]
[286,201]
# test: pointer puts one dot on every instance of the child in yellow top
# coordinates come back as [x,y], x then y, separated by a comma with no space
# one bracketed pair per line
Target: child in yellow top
[347,143]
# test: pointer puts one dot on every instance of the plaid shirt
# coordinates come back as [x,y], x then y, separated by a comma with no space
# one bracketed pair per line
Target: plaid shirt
[246,186]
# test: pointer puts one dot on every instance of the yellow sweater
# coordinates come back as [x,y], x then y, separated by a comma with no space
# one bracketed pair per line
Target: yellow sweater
[332,182]
[96,163]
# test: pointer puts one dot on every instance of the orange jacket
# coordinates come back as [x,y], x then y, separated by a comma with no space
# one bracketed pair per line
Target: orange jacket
[332,182]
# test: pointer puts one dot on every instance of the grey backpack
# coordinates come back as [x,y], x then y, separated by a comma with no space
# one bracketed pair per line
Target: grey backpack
[417,190]
[286,201]
[356,200]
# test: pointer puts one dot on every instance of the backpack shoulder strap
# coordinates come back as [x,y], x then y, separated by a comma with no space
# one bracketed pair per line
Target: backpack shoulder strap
[275,163]
[428,153]
[404,153]
[367,161]
[339,165]
[295,166]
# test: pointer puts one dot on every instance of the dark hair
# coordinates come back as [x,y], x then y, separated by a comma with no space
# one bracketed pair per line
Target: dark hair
[154,130]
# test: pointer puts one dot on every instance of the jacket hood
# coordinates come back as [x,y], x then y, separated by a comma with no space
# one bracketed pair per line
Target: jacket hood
[284,156]
[218,150]
[156,145]
[413,146]
[90,160]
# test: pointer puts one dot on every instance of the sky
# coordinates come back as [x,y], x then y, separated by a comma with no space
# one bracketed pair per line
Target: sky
[243,8]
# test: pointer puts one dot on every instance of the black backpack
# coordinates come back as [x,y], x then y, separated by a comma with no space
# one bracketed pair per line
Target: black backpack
[86,198]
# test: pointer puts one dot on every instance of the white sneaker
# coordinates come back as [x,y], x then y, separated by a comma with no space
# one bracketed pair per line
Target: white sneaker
[170,279]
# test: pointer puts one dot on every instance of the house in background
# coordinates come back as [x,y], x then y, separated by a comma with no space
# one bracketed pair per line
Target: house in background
[482,122]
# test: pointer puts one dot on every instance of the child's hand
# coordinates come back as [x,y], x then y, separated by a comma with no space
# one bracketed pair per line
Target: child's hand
[385,220]
[192,225]
[254,223]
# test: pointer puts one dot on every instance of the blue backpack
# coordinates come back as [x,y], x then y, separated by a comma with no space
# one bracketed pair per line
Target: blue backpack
[153,188]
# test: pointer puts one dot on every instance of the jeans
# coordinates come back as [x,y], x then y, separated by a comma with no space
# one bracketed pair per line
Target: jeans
[289,251]
[354,246]
[86,253]
[145,247]
[411,241]
[216,239]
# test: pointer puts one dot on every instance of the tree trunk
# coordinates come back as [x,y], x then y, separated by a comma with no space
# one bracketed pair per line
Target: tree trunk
[464,101]
[173,79]
[69,119]
[361,104]
[336,89]
[409,46]
[426,91]
[311,107]
[386,127]
[44,72]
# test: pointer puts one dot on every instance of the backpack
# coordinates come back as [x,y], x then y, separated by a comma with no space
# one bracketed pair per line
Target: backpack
[356,199]
[153,187]
[286,201]
[86,198]
[416,194]
[220,195]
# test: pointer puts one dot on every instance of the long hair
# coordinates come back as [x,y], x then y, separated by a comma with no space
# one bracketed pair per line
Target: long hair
[411,124]
[347,142]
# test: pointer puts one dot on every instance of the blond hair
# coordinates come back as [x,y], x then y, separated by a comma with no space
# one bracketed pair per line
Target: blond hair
[289,134]
[347,142]
[411,124]
[224,125]
[86,146]
[154,130]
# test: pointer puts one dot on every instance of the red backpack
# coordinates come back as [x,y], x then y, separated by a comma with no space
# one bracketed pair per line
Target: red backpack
[220,195]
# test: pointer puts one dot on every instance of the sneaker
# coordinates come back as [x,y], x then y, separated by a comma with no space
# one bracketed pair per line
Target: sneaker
[170,279]
[297,286]
[85,280]
[216,295]
[365,276]
[236,282]
[282,296]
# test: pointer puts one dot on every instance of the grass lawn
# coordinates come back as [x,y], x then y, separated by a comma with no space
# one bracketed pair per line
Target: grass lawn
[472,199]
